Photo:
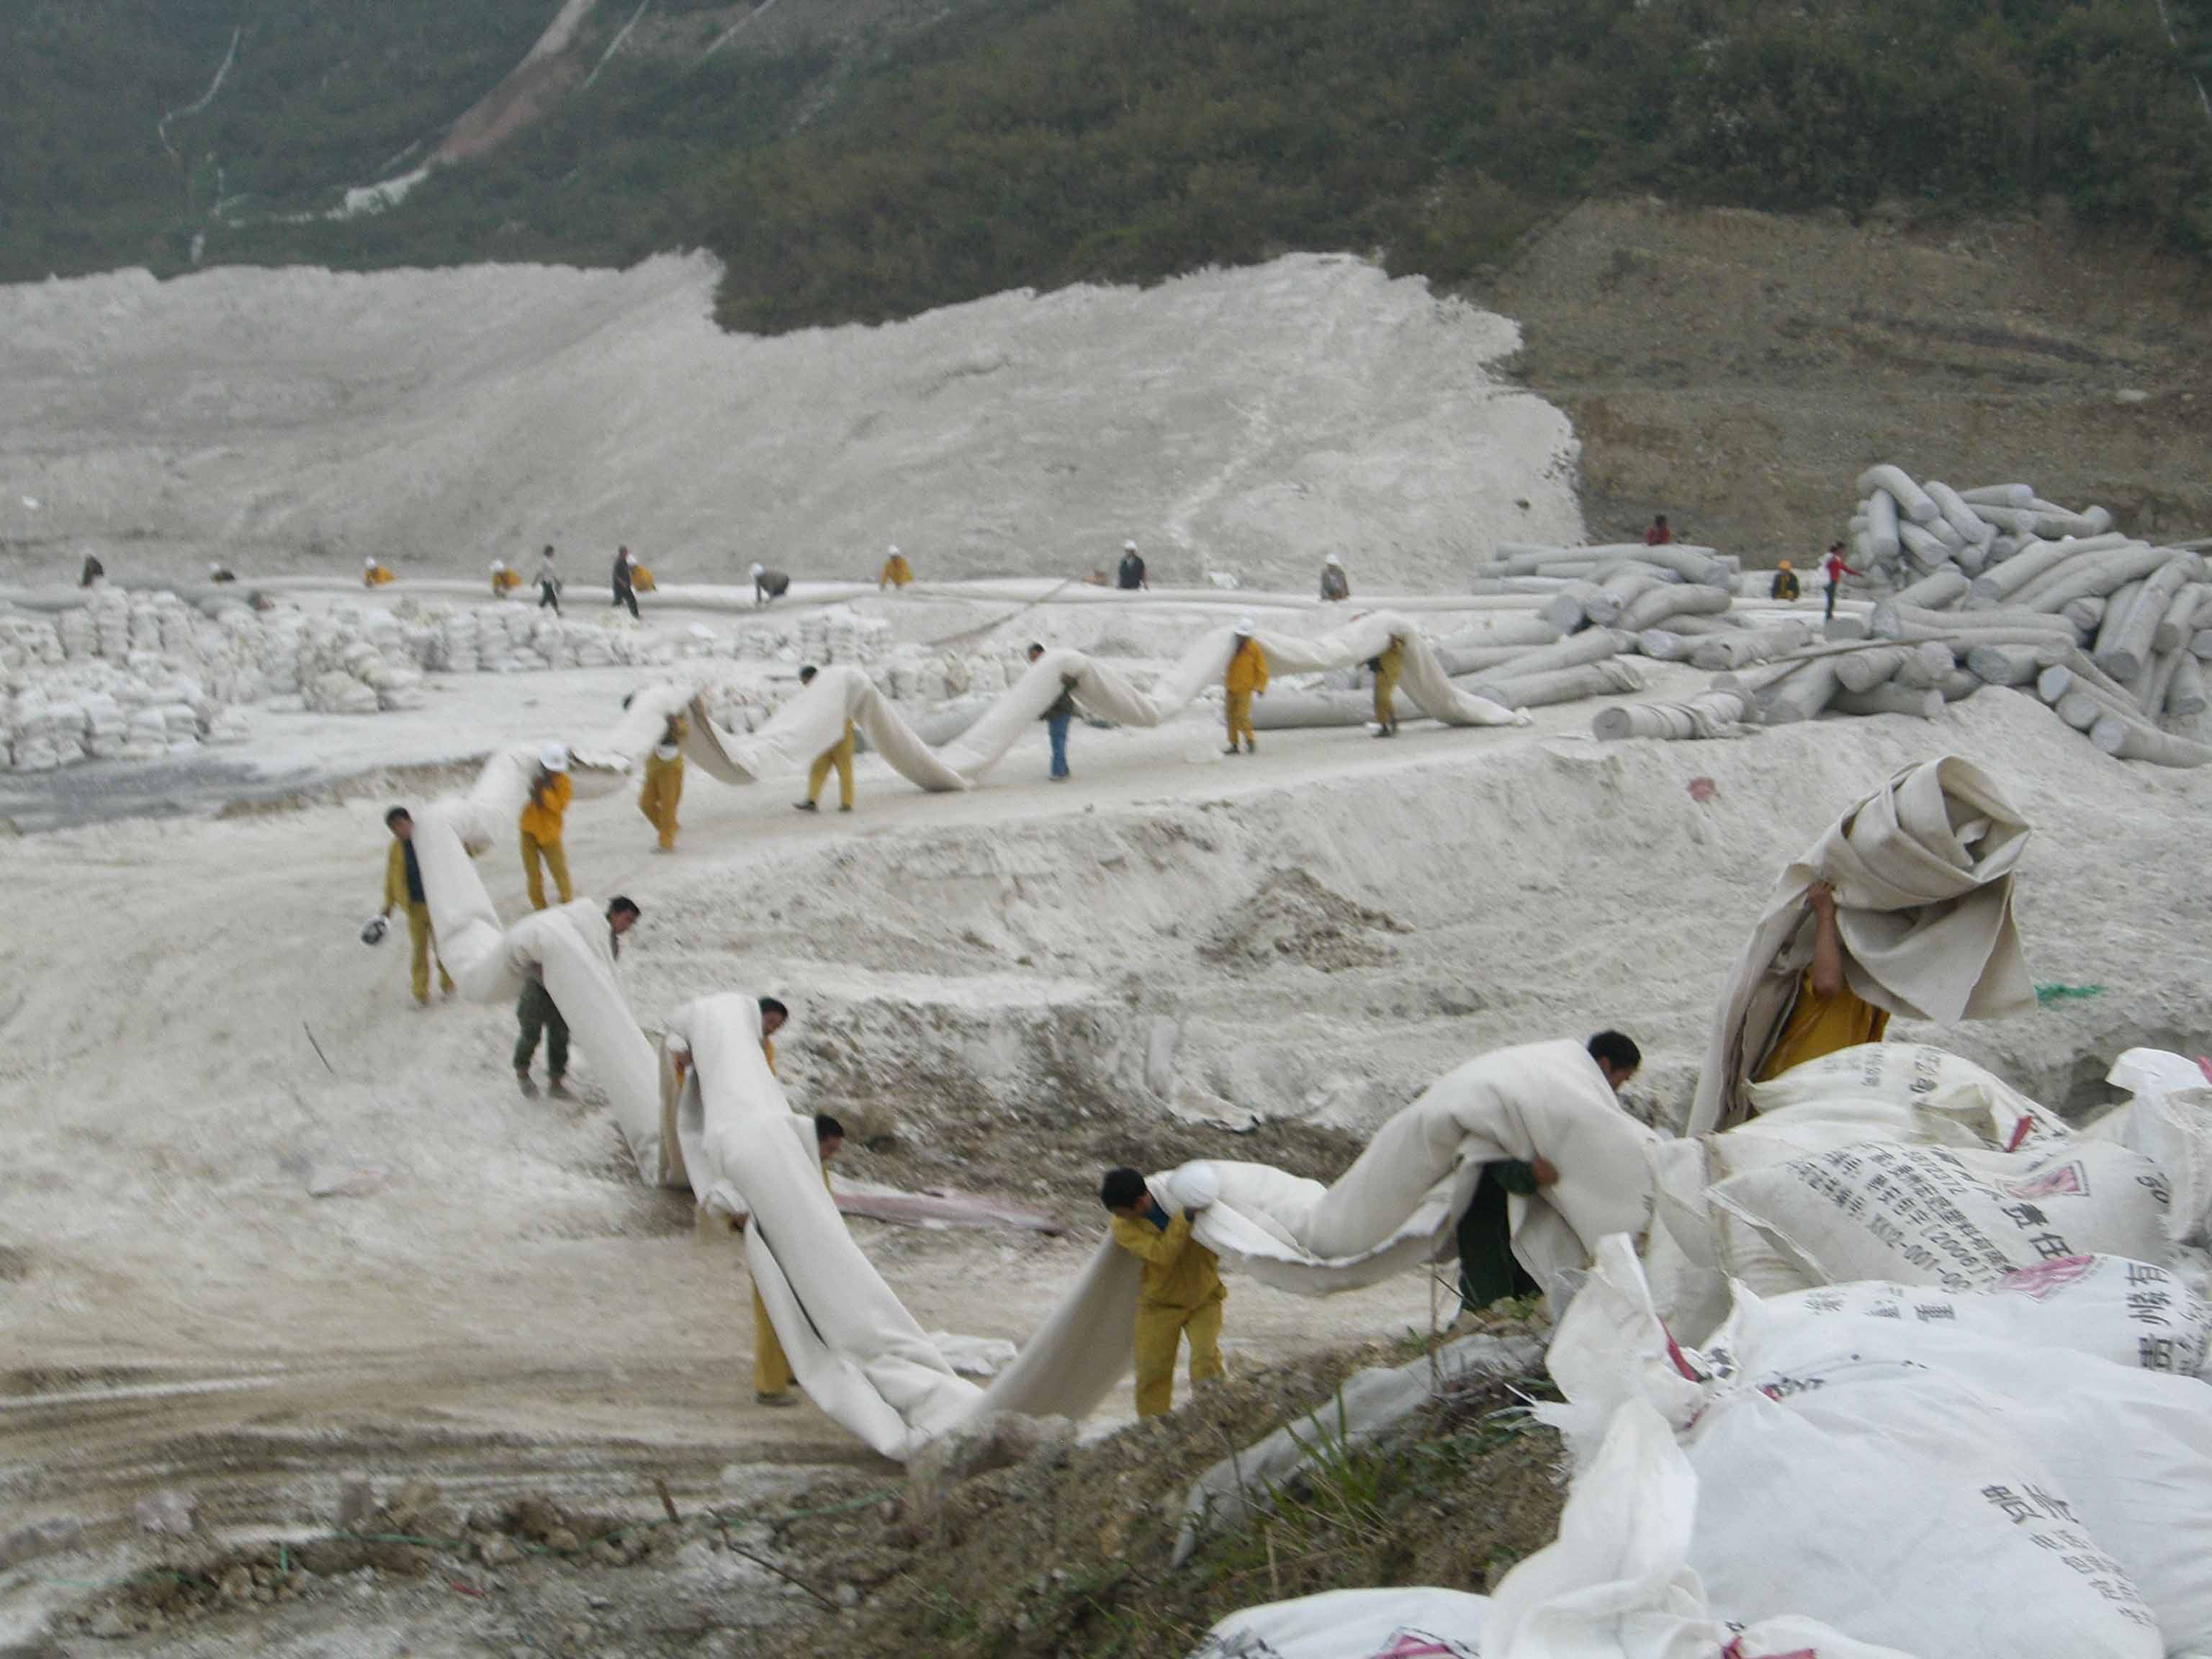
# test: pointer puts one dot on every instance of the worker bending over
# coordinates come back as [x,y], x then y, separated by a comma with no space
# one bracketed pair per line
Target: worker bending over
[536,1014]
[504,581]
[1057,719]
[220,573]
[373,575]
[898,573]
[1826,1014]
[664,781]
[1180,1294]
[543,817]
[772,1376]
[402,887]
[1489,1272]
[1387,667]
[839,755]
[1784,586]
[1334,584]
[769,584]
[1246,678]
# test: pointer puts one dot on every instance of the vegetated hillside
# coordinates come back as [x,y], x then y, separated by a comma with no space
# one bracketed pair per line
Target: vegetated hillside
[894,157]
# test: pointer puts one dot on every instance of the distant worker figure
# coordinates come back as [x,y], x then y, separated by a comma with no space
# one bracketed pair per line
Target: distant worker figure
[1131,575]
[1180,1294]
[1386,667]
[1836,570]
[547,581]
[898,573]
[1056,719]
[1489,1272]
[1334,584]
[1661,532]
[839,755]
[504,581]
[543,816]
[403,889]
[1826,1014]
[373,575]
[772,1377]
[537,1015]
[769,584]
[94,571]
[625,588]
[1784,586]
[1246,678]
[220,574]
[664,781]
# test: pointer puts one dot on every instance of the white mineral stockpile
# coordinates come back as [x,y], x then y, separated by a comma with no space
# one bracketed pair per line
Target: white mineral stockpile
[1244,420]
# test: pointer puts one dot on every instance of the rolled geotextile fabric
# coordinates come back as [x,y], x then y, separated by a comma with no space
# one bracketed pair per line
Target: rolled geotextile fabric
[1709,715]
[1691,564]
[2011,495]
[1675,642]
[2131,643]
[2180,619]
[1911,499]
[1609,678]
[1959,512]
[2083,709]
[2030,559]
[2093,520]
[1290,711]
[1924,547]
[2200,644]
[2126,738]
[1925,703]
[1656,604]
[1974,558]
[1800,694]
[1958,685]
[2160,677]
[2087,613]
[1544,586]
[947,720]
[1570,607]
[1615,590]
[1591,645]
[1881,518]
[1475,659]
[1585,570]
[1893,620]
[1939,592]
[2118,602]
[2094,573]
[2004,664]
[1747,646]
[1929,662]
[2003,547]
[1529,629]
[2185,692]
[1862,670]
[2074,667]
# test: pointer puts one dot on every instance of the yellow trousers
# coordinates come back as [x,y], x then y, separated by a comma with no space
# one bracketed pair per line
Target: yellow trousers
[839,755]
[1386,684]
[1158,1331]
[664,788]
[1240,717]
[554,858]
[771,1371]
[420,949]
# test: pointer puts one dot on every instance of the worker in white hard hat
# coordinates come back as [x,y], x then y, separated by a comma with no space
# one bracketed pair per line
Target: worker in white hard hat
[1245,679]
[543,816]
[1334,584]
[1131,576]
[769,584]
[898,573]
[217,572]
[504,581]
[373,575]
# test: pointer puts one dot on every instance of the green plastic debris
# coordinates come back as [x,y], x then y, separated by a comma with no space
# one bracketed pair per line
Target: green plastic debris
[2047,994]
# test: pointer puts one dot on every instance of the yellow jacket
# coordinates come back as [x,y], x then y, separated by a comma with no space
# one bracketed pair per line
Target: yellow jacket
[375,576]
[1388,659]
[505,582]
[640,579]
[767,1051]
[1177,1272]
[675,732]
[547,806]
[898,573]
[395,877]
[1248,669]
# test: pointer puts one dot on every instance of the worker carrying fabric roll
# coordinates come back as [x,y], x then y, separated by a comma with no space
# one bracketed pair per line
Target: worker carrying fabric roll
[1179,1296]
[402,890]
[1784,586]
[537,1015]
[1386,668]
[1245,679]
[769,584]
[373,575]
[93,573]
[625,588]
[504,581]
[219,572]
[543,816]
[772,1376]
[1057,718]
[664,781]
[839,755]
[898,573]
[1827,1014]
[1334,584]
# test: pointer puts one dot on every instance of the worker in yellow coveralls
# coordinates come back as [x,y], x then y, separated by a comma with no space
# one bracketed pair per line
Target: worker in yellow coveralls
[898,573]
[839,755]
[402,887]
[543,816]
[1387,667]
[1180,1294]
[1827,1014]
[1246,678]
[664,781]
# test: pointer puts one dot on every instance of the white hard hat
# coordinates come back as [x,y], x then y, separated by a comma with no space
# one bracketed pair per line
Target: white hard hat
[894,549]
[1247,627]
[499,564]
[214,564]
[1128,547]
[1333,559]
[369,560]
[758,568]
[554,757]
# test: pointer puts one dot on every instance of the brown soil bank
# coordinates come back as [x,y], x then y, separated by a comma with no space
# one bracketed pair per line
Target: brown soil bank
[1737,370]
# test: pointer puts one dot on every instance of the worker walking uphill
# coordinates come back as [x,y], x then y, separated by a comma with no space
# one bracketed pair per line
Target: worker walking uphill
[94,571]
[1387,667]
[769,584]
[1245,679]
[537,1015]
[1180,1294]
[1826,1014]
[1057,718]
[664,781]
[373,575]
[772,1377]
[543,816]
[1784,586]
[839,755]
[898,573]
[1836,570]
[1334,584]
[1489,1272]
[548,582]
[625,586]
[403,889]
[1131,575]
